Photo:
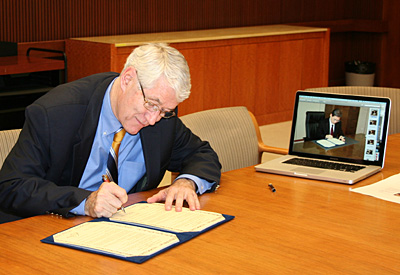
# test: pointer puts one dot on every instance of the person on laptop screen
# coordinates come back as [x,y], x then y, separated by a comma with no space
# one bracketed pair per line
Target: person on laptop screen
[331,127]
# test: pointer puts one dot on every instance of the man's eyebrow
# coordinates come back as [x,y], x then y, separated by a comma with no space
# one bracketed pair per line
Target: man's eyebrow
[155,99]
[159,103]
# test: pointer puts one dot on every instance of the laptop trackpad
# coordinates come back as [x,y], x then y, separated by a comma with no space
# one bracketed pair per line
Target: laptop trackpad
[301,170]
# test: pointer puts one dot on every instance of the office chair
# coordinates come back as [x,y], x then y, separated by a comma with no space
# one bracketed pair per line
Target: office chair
[392,93]
[233,132]
[312,120]
[8,138]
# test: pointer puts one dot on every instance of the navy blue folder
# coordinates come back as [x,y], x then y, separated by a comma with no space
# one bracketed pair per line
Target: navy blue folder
[182,236]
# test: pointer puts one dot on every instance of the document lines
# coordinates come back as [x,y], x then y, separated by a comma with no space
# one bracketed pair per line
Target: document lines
[144,231]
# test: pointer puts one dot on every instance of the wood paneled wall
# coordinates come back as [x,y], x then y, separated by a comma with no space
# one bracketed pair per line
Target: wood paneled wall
[31,21]
[41,20]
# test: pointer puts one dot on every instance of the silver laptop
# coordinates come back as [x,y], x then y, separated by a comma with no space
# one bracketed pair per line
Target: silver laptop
[353,149]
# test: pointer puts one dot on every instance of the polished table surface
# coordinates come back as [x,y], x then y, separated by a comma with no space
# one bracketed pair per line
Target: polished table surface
[306,226]
[353,150]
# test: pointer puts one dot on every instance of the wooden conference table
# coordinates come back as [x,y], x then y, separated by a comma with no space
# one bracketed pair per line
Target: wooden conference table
[307,226]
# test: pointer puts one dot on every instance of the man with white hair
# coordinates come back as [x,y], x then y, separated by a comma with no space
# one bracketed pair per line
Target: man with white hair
[63,150]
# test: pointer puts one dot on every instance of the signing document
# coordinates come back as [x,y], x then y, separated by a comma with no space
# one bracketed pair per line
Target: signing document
[143,231]
[119,239]
[330,142]
[154,215]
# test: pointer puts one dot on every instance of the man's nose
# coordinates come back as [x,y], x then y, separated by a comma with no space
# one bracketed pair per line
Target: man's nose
[153,117]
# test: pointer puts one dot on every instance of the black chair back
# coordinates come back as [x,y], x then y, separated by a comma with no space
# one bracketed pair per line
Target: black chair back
[312,120]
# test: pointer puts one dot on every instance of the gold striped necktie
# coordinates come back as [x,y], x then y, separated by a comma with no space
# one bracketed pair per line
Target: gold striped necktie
[112,162]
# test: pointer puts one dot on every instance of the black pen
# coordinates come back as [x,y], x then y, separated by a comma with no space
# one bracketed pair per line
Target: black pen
[106,179]
[272,188]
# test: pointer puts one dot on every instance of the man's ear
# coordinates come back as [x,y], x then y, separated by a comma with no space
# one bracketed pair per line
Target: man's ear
[127,76]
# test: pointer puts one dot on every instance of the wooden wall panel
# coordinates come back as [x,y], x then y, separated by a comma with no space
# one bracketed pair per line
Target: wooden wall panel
[26,21]
[195,59]
[313,49]
[290,76]
[43,20]
[389,64]
[262,73]
[210,75]
[101,63]
[244,66]
[217,82]
[267,85]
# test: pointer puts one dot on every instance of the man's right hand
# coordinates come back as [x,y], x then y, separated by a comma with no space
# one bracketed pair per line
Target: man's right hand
[106,200]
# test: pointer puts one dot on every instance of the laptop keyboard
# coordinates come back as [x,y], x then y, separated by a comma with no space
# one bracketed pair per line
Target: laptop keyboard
[325,164]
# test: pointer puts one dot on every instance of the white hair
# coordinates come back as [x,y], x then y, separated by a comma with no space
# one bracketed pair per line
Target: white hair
[155,60]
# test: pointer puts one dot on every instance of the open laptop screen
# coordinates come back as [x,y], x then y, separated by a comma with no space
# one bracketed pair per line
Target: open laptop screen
[340,127]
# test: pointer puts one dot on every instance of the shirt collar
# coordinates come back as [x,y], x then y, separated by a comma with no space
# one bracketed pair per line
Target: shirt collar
[110,123]
[331,124]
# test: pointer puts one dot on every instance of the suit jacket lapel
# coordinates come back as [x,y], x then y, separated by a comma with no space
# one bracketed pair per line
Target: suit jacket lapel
[87,131]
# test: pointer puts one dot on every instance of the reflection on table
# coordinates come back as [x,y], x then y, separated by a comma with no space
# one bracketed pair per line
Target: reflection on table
[355,150]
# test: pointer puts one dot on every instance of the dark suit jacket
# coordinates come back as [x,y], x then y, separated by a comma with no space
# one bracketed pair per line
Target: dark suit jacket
[43,170]
[323,129]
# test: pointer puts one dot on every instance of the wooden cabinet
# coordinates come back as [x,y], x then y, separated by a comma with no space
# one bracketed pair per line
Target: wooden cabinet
[259,67]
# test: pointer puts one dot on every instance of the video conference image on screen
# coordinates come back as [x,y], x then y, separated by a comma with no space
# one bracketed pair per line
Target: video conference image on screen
[338,127]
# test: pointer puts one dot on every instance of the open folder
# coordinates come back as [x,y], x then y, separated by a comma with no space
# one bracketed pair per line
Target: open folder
[144,231]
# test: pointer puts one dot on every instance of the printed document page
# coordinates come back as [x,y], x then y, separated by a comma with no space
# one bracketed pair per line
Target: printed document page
[115,238]
[330,142]
[155,215]
[325,143]
[387,189]
[336,141]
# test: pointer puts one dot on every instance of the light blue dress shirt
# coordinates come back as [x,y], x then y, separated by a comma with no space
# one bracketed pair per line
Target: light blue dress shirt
[131,165]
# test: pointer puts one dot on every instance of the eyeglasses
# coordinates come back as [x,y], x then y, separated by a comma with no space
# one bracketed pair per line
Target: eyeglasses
[154,107]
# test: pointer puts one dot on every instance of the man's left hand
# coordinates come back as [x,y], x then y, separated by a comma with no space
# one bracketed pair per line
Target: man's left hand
[181,190]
